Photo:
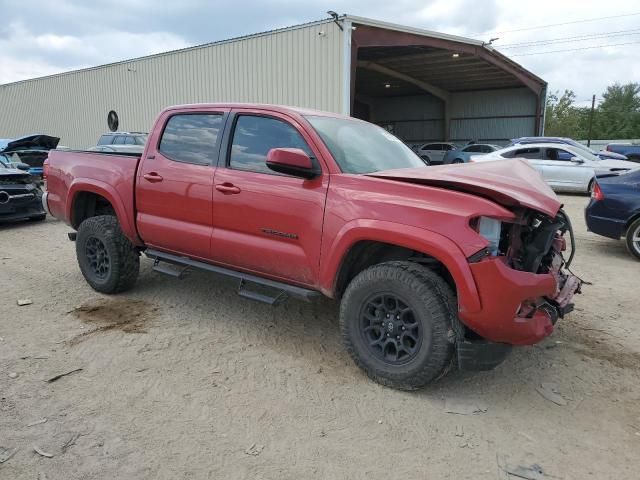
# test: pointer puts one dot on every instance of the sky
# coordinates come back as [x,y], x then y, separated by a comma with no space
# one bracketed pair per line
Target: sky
[42,37]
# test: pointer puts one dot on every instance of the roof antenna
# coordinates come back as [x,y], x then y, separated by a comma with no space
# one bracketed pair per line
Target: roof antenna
[490,41]
[335,17]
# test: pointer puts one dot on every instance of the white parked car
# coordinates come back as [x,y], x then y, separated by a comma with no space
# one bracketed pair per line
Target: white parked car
[433,153]
[118,148]
[564,167]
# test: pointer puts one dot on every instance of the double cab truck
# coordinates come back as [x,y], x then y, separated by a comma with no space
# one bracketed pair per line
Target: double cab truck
[433,266]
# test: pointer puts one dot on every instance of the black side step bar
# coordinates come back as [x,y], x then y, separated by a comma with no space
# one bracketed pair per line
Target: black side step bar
[283,289]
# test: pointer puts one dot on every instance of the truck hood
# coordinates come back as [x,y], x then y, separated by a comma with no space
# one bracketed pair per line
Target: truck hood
[35,141]
[512,184]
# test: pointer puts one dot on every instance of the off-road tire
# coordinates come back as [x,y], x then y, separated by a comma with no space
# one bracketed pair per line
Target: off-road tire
[434,306]
[124,259]
[633,230]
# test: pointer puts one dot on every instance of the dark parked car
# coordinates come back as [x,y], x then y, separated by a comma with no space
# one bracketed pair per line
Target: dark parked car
[632,152]
[614,209]
[30,149]
[20,196]
[603,154]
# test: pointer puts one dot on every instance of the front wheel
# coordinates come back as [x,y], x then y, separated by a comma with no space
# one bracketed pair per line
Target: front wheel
[633,238]
[108,260]
[396,321]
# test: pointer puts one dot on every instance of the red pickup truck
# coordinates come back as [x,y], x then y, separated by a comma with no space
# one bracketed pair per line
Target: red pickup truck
[433,266]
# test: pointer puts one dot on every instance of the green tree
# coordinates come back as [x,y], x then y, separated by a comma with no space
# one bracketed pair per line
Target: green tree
[562,117]
[618,116]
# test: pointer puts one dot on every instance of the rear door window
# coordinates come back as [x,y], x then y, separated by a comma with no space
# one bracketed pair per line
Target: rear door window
[530,153]
[192,138]
[105,140]
[254,136]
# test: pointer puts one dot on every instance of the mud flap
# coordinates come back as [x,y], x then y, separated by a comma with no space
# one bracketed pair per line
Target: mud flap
[481,355]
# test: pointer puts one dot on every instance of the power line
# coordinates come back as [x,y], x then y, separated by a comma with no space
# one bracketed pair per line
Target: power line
[560,24]
[576,38]
[573,49]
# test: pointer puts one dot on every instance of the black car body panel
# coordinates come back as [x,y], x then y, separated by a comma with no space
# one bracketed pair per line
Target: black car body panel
[36,141]
[20,197]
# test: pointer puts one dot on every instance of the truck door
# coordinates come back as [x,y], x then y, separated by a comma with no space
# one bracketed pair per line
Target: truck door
[175,182]
[265,222]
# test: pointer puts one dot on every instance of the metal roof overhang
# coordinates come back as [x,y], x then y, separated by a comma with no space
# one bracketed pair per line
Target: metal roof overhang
[380,50]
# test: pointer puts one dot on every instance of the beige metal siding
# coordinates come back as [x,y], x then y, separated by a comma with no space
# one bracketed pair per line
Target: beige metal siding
[300,66]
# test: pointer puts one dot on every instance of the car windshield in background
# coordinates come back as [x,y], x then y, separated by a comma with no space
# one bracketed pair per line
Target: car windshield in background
[586,153]
[361,147]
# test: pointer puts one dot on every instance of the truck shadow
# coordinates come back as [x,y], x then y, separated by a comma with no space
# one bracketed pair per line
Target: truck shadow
[309,334]
[25,224]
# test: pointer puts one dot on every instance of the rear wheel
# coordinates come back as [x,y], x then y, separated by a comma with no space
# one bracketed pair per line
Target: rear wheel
[108,260]
[633,238]
[458,160]
[396,322]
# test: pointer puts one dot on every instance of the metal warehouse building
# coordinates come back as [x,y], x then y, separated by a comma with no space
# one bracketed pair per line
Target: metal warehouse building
[423,86]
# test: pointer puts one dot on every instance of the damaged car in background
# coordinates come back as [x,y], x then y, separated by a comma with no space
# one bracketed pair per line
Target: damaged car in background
[20,196]
[31,150]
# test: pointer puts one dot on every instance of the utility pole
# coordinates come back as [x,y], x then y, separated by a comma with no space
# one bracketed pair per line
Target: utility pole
[593,105]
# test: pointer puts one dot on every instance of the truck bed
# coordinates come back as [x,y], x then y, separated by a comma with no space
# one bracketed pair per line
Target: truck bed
[112,172]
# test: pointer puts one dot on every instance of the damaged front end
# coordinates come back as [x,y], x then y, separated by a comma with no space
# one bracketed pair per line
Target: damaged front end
[522,277]
[538,245]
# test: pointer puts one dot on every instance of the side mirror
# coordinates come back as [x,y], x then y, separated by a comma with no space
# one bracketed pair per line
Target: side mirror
[576,160]
[22,166]
[291,161]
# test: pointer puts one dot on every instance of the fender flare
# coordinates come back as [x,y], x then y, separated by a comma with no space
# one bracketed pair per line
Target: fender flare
[425,241]
[81,185]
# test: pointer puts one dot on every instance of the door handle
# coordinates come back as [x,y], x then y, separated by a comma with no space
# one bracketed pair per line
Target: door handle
[227,188]
[152,177]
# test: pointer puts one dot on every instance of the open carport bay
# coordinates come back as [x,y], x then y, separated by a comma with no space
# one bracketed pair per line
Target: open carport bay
[434,88]
[184,379]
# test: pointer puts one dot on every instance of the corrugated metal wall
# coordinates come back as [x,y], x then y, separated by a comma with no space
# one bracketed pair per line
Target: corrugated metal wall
[492,115]
[415,118]
[489,115]
[300,66]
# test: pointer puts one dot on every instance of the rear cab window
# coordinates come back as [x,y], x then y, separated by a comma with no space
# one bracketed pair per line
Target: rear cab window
[192,138]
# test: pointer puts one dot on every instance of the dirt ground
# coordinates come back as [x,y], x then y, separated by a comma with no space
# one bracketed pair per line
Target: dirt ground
[184,379]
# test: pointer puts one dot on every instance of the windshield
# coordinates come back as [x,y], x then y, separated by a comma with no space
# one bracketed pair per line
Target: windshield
[4,161]
[361,147]
[586,149]
[586,153]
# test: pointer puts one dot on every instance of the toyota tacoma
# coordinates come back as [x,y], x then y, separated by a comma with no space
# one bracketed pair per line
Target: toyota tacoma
[433,267]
